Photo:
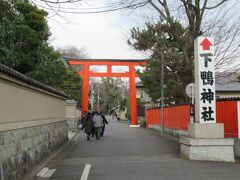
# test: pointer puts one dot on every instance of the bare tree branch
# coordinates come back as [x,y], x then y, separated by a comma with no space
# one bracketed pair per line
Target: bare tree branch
[191,12]
[158,10]
[217,5]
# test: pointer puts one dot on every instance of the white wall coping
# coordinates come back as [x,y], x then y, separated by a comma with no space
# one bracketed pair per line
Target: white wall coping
[72,102]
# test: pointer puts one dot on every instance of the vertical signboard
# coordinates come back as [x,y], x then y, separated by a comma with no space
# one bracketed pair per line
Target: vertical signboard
[204,67]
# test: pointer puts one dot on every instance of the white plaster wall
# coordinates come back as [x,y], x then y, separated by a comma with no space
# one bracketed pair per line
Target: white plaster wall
[21,102]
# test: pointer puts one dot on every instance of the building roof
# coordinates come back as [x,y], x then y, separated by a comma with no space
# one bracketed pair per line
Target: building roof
[232,86]
[220,86]
[227,82]
[15,74]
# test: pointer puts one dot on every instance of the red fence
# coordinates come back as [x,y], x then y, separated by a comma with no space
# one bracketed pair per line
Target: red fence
[226,113]
[177,117]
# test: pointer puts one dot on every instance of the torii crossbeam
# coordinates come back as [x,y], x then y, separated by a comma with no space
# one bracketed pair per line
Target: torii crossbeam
[85,73]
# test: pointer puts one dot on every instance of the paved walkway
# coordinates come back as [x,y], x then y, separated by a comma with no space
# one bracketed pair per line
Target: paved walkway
[135,154]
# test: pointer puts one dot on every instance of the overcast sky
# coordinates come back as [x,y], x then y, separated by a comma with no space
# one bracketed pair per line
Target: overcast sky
[103,35]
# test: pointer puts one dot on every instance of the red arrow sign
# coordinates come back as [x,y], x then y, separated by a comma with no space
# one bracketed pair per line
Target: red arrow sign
[206,44]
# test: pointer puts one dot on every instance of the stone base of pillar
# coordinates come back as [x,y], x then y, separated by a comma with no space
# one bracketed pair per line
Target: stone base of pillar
[134,125]
[206,142]
[206,130]
[207,149]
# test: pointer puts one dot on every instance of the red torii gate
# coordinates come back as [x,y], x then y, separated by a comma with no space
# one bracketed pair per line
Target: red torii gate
[85,73]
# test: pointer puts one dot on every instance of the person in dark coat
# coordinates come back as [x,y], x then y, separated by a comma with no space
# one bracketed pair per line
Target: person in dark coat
[88,125]
[80,121]
[104,122]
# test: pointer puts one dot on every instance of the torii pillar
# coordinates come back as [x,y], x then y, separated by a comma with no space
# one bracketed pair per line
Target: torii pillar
[133,100]
[85,88]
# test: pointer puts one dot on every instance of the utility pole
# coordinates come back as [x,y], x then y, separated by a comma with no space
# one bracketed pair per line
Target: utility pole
[162,92]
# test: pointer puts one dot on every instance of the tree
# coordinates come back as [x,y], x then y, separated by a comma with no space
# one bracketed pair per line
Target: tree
[24,30]
[24,34]
[219,19]
[75,6]
[161,40]
[73,85]
[72,51]
[73,82]
[112,91]
[174,41]
[7,19]
[51,68]
[191,15]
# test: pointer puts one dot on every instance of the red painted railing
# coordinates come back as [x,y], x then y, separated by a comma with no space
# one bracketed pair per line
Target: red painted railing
[226,113]
[177,117]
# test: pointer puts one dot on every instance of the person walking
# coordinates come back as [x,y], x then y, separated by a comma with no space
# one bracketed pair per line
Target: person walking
[113,113]
[104,123]
[98,124]
[81,120]
[88,125]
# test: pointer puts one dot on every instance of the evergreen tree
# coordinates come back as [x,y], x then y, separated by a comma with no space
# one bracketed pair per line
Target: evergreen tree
[164,43]
[24,33]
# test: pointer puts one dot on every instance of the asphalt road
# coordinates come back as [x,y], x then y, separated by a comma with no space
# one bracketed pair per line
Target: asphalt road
[135,154]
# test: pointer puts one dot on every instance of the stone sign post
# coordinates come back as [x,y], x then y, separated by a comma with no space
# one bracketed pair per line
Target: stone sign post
[205,139]
[204,69]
